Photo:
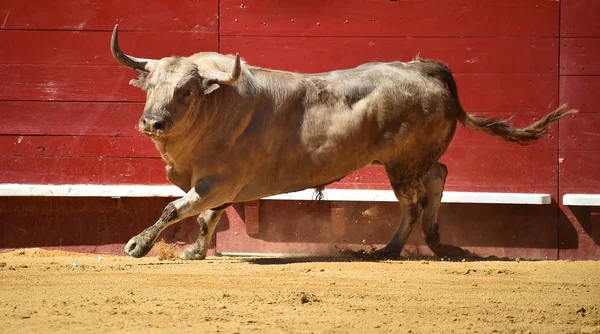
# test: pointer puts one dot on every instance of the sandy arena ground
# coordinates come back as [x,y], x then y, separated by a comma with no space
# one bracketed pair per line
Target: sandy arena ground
[42,291]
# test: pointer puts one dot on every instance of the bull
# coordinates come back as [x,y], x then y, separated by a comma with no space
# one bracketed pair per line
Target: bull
[230,132]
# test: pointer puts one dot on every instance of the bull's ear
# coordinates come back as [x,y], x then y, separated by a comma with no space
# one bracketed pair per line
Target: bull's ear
[218,78]
[209,86]
[139,82]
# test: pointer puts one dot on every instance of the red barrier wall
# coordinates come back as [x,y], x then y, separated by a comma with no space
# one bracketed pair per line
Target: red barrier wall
[579,139]
[69,115]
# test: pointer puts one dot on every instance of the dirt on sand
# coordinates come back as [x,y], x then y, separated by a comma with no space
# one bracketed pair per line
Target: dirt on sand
[54,291]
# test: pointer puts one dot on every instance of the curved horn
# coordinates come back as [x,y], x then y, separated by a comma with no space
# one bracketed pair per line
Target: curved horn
[138,64]
[228,78]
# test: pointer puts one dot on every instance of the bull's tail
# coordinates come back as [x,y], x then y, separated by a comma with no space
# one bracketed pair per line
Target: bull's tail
[497,127]
[500,128]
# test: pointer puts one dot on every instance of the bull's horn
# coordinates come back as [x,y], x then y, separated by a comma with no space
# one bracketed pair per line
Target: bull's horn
[139,64]
[228,78]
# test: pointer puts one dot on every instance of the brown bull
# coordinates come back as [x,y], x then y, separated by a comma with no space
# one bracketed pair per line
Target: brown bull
[231,132]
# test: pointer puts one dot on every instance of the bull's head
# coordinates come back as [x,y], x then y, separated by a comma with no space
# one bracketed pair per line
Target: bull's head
[174,87]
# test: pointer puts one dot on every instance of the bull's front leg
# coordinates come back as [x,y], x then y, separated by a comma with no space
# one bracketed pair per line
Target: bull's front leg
[200,198]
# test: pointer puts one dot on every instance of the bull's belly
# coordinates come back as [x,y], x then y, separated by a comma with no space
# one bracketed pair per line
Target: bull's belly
[269,185]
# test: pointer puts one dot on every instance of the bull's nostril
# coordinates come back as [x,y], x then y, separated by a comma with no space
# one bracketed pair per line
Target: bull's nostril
[143,121]
[157,126]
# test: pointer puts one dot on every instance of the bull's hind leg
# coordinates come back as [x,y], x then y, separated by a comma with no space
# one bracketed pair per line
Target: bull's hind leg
[208,221]
[434,187]
[410,193]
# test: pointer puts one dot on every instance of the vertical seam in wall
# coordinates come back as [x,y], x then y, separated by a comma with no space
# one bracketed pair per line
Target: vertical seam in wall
[219,26]
[215,240]
[558,199]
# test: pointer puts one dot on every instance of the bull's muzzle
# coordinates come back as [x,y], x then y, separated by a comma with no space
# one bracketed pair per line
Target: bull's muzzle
[151,126]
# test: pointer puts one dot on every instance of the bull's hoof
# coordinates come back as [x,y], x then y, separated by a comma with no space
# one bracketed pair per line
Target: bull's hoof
[192,254]
[138,247]
[450,251]
[388,253]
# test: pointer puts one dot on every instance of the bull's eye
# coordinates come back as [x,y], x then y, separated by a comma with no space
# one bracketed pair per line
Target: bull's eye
[187,93]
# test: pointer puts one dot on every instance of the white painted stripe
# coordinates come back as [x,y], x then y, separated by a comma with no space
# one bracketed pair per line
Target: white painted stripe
[364,195]
[359,195]
[89,190]
[582,199]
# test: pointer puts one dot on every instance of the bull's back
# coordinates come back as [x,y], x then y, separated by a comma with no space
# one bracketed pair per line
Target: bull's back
[345,120]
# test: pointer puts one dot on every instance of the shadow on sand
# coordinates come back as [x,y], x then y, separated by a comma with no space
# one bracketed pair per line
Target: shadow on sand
[351,256]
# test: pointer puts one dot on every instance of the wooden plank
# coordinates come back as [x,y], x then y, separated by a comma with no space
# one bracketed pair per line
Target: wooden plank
[92,47]
[581,132]
[338,196]
[68,83]
[77,146]
[120,120]
[534,168]
[580,56]
[507,93]
[485,92]
[70,118]
[92,170]
[581,92]
[581,199]
[252,217]
[579,18]
[162,15]
[580,169]
[462,18]
[90,190]
[463,55]
[479,170]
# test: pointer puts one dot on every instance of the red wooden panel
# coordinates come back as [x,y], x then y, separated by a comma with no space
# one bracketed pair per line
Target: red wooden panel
[70,118]
[580,132]
[91,225]
[479,170]
[68,83]
[463,55]
[306,227]
[163,15]
[484,92]
[478,92]
[580,56]
[579,229]
[579,18]
[92,47]
[75,146]
[472,18]
[580,169]
[94,170]
[581,92]
[533,168]
[507,93]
